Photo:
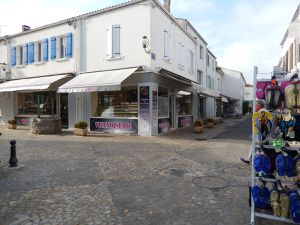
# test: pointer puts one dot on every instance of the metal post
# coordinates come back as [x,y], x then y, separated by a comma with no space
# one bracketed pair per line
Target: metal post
[13,155]
[253,144]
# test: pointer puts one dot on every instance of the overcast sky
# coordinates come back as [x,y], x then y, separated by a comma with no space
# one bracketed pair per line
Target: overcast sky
[240,33]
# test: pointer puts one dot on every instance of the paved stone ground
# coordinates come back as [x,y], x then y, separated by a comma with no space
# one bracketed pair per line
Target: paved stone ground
[181,178]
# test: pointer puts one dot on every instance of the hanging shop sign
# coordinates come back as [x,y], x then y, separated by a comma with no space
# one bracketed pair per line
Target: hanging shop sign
[126,126]
[185,121]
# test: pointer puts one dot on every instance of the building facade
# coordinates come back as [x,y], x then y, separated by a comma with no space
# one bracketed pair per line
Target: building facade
[104,69]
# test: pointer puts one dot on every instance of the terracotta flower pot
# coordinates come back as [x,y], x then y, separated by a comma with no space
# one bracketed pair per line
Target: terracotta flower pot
[11,126]
[210,124]
[199,129]
[80,132]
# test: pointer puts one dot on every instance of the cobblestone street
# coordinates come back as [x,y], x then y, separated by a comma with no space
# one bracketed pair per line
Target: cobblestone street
[181,178]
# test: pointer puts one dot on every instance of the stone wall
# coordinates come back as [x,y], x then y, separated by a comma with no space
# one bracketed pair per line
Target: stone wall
[51,125]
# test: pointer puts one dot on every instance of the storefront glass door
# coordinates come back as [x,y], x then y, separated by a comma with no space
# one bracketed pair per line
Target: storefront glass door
[171,110]
[64,110]
[202,107]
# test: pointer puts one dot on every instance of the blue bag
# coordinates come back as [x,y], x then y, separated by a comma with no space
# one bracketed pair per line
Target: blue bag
[261,196]
[285,165]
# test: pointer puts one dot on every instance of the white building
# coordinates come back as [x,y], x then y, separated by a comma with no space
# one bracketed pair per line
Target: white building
[290,48]
[104,68]
[233,89]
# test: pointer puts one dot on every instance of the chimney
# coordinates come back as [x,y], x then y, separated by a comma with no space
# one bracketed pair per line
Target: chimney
[167,5]
[25,27]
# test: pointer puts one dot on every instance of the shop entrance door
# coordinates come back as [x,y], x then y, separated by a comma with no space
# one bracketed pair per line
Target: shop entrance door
[171,110]
[64,110]
[202,107]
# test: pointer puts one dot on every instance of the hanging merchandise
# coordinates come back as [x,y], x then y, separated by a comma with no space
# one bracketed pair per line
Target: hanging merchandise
[275,151]
[262,125]
[273,95]
[292,94]
[295,206]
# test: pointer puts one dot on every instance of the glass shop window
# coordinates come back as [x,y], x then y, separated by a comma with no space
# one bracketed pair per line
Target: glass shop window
[31,103]
[163,103]
[122,103]
[184,104]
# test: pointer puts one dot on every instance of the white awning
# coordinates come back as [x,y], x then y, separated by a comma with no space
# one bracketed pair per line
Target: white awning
[224,99]
[27,84]
[97,81]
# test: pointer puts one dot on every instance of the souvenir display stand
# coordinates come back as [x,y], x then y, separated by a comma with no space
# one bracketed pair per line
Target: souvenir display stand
[275,175]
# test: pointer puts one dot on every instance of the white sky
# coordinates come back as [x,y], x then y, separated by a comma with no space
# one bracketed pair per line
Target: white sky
[240,33]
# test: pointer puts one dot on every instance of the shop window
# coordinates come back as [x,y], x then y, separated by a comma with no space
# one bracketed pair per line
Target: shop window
[31,103]
[163,103]
[115,103]
[184,104]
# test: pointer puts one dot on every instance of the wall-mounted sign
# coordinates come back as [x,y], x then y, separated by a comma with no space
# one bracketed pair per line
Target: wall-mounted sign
[164,125]
[24,121]
[185,121]
[126,126]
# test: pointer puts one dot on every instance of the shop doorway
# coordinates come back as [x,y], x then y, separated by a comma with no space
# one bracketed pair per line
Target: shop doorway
[202,107]
[64,110]
[171,110]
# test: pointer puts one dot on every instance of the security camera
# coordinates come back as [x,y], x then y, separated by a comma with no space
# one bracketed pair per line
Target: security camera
[145,42]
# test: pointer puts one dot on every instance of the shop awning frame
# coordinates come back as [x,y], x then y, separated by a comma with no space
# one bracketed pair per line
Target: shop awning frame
[31,83]
[110,80]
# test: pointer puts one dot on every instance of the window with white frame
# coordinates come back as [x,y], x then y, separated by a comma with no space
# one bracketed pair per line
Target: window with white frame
[62,47]
[208,81]
[191,62]
[38,51]
[113,41]
[199,76]
[180,55]
[201,52]
[167,44]
[219,84]
[207,61]
[19,55]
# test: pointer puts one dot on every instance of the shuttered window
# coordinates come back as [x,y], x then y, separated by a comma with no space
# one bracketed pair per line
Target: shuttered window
[167,44]
[13,56]
[25,54]
[31,52]
[53,48]
[45,50]
[113,41]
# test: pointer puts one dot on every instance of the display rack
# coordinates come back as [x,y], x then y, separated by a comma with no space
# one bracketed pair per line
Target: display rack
[265,213]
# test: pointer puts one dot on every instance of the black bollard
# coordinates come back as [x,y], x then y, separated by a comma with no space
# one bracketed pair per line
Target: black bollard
[13,161]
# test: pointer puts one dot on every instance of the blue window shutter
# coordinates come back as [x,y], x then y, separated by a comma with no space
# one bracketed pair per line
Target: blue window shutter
[31,52]
[116,41]
[69,45]
[45,50]
[25,54]
[53,48]
[13,56]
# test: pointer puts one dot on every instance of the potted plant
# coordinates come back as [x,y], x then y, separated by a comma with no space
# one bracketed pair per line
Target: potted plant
[210,123]
[80,128]
[198,126]
[12,124]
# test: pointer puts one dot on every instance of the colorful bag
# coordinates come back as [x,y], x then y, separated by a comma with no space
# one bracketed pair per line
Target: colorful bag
[260,89]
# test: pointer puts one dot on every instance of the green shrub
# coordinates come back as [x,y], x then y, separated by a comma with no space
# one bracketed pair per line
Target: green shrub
[81,125]
[198,123]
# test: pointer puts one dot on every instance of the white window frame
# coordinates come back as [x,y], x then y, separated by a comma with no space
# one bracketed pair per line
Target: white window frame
[181,56]
[19,55]
[200,77]
[191,60]
[113,42]
[61,47]
[208,60]
[201,52]
[38,52]
[219,84]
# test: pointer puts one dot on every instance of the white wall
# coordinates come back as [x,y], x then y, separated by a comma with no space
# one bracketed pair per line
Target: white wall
[230,84]
[160,22]
[135,23]
[248,95]
[50,67]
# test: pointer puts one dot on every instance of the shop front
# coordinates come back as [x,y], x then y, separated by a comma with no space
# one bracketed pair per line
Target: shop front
[32,98]
[130,101]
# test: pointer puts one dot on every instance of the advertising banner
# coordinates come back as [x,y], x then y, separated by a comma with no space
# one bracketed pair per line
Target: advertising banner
[164,125]
[185,121]
[126,126]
